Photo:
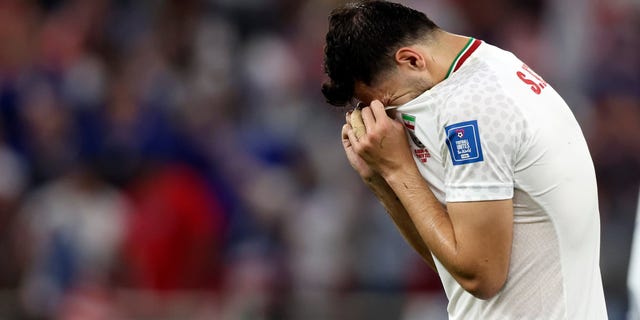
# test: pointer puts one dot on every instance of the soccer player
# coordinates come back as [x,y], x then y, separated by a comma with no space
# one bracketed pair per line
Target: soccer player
[479,162]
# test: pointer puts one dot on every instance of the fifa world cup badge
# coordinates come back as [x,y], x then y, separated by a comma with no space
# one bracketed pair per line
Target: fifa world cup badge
[463,141]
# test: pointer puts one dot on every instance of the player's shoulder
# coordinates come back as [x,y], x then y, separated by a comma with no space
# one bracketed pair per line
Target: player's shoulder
[482,102]
[482,96]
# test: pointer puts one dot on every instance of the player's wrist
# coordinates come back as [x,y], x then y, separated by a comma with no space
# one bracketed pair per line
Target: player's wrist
[400,172]
[401,175]
[374,180]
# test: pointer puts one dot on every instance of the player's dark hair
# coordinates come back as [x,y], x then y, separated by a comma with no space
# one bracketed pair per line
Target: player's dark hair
[361,43]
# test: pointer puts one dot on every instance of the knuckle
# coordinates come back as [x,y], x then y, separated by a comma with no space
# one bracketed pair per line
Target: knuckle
[372,135]
[384,126]
[365,143]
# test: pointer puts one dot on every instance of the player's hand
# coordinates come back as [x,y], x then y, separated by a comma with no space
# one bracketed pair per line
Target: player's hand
[384,147]
[355,160]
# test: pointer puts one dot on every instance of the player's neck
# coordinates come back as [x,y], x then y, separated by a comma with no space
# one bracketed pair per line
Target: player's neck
[444,51]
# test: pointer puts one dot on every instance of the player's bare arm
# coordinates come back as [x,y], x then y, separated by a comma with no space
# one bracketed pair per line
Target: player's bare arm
[387,197]
[471,239]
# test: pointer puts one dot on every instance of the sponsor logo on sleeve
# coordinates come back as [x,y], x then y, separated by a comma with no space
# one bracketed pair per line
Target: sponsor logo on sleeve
[463,141]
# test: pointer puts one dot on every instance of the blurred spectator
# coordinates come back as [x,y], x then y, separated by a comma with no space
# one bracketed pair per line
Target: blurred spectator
[74,227]
[13,182]
[175,232]
[47,130]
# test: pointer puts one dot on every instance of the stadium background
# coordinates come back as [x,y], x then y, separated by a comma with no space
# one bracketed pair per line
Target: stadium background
[175,159]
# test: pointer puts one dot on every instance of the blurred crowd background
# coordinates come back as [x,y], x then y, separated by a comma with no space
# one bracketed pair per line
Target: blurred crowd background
[174,159]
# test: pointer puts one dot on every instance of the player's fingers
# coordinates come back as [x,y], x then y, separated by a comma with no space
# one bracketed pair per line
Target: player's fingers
[352,137]
[378,110]
[345,128]
[358,126]
[348,136]
[368,118]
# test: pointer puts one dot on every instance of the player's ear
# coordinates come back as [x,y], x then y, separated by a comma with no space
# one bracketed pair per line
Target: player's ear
[411,58]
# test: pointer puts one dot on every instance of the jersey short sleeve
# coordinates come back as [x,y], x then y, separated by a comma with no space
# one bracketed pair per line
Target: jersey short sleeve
[480,142]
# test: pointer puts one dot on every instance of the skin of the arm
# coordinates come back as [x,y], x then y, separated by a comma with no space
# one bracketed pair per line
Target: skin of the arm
[400,217]
[472,240]
[388,198]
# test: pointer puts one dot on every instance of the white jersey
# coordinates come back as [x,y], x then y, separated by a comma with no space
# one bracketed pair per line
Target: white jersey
[494,130]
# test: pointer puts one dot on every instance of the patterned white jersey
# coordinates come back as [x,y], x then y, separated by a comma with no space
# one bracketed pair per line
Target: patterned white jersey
[495,130]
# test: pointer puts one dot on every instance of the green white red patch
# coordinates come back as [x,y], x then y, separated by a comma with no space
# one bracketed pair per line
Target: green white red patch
[419,149]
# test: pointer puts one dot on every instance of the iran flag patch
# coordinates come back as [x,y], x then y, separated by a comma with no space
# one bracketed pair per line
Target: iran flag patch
[419,149]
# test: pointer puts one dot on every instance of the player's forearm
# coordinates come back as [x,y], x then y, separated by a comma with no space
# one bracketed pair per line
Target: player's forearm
[433,225]
[400,217]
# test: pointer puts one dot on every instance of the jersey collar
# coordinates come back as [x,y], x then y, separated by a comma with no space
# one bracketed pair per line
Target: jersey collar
[463,55]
